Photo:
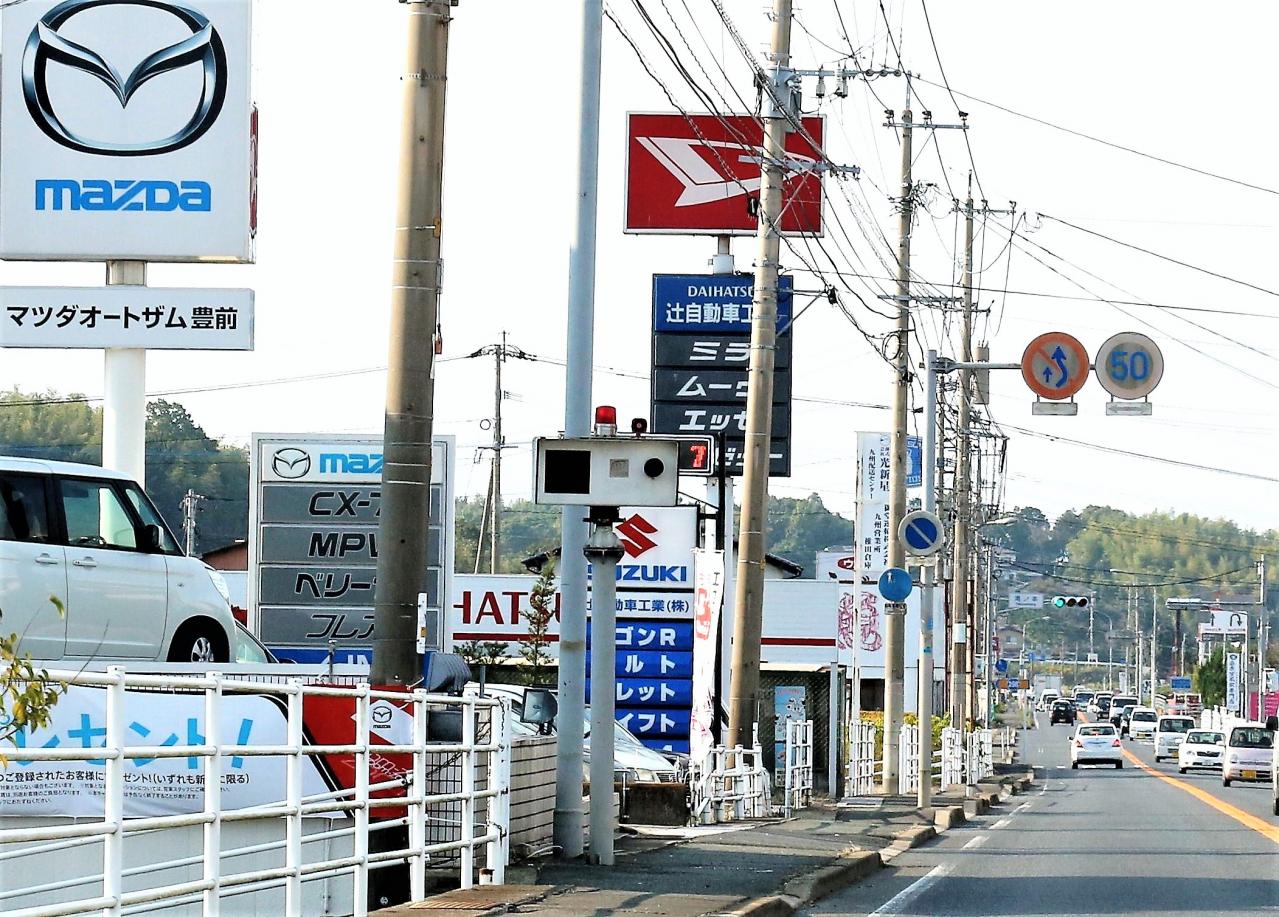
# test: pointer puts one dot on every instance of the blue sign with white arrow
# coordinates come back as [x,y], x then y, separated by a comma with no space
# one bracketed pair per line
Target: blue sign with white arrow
[1001,666]
[895,584]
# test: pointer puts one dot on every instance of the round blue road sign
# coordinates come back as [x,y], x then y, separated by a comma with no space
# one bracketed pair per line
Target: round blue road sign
[921,533]
[1001,666]
[895,584]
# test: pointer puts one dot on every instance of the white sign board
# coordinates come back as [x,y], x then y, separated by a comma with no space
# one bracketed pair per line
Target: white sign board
[835,565]
[1025,600]
[1226,623]
[146,318]
[874,464]
[126,130]
[1234,697]
[707,602]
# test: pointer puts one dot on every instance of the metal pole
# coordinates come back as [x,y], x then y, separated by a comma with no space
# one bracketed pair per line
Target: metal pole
[989,634]
[124,386]
[603,552]
[495,502]
[924,680]
[749,594]
[895,612]
[577,422]
[960,609]
[410,378]
[832,733]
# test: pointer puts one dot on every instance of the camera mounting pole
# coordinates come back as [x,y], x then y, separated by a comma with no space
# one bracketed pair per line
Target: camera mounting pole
[603,551]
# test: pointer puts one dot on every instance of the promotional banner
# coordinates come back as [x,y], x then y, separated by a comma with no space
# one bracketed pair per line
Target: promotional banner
[873,494]
[152,786]
[790,704]
[707,605]
[126,130]
[1234,696]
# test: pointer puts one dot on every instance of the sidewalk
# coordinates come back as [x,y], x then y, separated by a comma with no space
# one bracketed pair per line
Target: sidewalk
[729,869]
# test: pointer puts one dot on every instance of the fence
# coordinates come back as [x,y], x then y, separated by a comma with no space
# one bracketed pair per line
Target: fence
[952,757]
[799,766]
[864,768]
[980,757]
[730,784]
[200,880]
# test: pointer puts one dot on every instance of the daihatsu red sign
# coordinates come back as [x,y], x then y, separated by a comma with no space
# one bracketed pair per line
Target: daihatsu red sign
[701,175]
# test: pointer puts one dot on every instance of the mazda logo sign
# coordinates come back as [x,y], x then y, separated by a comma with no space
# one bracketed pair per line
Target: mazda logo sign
[47,46]
[291,463]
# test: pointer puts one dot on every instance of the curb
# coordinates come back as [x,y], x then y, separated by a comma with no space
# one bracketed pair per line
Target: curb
[852,867]
[948,817]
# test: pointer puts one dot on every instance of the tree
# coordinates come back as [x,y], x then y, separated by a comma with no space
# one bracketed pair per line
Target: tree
[535,650]
[27,695]
[798,529]
[1210,678]
[482,652]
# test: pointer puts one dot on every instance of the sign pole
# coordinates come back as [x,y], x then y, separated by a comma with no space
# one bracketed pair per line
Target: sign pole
[124,406]
[603,551]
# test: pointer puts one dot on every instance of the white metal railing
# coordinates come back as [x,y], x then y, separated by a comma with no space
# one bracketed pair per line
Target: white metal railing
[729,784]
[864,768]
[979,756]
[908,772]
[952,757]
[798,766]
[485,745]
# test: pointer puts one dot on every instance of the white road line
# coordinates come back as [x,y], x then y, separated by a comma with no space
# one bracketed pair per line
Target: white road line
[1023,807]
[904,897]
[1002,823]
[976,842]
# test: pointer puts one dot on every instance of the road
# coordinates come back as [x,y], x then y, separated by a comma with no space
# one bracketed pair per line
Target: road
[1092,841]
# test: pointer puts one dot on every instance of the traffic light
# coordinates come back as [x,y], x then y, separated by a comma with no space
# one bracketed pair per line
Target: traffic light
[1070,601]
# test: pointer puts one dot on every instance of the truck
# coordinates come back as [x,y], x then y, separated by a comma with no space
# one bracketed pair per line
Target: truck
[1045,684]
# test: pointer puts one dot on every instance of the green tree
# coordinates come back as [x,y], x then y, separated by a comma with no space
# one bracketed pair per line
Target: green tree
[535,650]
[1210,678]
[798,529]
[27,694]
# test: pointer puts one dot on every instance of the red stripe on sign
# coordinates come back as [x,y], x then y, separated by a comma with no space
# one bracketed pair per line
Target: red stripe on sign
[797,641]
[497,635]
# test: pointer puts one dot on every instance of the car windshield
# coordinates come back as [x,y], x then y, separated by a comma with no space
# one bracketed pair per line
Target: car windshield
[1252,737]
[1096,730]
[1145,716]
[1197,737]
[1176,724]
[1124,702]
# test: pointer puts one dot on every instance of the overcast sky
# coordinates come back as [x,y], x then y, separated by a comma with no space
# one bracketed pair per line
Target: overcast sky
[1182,81]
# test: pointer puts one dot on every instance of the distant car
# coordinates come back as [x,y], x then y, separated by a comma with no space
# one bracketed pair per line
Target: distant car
[1102,705]
[1250,751]
[1117,705]
[1047,699]
[1096,743]
[1142,723]
[1084,698]
[1170,732]
[1202,748]
[1063,711]
[1125,719]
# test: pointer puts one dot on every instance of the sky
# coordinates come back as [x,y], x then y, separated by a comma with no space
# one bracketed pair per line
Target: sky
[1177,80]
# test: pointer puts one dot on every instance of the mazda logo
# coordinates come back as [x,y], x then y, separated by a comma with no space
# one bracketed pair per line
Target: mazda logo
[291,463]
[46,45]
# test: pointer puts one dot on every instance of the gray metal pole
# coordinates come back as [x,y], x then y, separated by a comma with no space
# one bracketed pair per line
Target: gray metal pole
[961,612]
[989,637]
[577,422]
[124,386]
[927,598]
[495,501]
[410,378]
[895,612]
[603,551]
[748,599]
[832,733]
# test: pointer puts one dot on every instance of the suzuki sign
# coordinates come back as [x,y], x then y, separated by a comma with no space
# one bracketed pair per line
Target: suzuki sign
[125,130]
[700,174]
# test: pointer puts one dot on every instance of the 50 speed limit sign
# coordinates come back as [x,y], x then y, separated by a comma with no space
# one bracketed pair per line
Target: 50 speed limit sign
[1129,365]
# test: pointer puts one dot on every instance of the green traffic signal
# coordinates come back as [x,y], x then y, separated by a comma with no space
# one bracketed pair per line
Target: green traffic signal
[1070,601]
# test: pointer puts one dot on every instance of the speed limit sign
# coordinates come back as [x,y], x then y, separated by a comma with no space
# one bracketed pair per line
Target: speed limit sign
[1129,365]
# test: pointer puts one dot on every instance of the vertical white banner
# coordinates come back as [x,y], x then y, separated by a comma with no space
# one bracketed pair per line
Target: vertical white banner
[874,464]
[708,577]
[1233,697]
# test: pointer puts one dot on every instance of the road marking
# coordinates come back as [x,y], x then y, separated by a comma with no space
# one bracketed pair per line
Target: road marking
[976,842]
[1023,807]
[1246,819]
[1002,823]
[914,890]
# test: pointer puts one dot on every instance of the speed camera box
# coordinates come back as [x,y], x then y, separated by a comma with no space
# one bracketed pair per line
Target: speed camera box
[606,471]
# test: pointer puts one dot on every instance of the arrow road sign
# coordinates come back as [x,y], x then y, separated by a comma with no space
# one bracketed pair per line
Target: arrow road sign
[1001,666]
[1129,365]
[1055,366]
[921,533]
[895,584]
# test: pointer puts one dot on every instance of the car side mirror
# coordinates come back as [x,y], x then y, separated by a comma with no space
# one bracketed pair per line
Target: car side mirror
[540,707]
[151,539]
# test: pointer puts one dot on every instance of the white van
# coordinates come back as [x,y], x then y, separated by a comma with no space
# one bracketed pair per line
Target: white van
[90,540]
[1170,732]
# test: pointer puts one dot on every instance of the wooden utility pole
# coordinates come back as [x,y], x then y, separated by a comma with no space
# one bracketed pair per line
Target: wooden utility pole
[961,609]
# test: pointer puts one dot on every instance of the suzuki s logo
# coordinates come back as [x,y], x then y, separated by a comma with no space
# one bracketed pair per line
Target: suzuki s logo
[634,534]
[46,46]
[291,463]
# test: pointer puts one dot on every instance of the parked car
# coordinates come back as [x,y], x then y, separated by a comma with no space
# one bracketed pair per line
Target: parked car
[1250,751]
[1063,711]
[1170,732]
[1095,743]
[91,539]
[1202,748]
[1142,723]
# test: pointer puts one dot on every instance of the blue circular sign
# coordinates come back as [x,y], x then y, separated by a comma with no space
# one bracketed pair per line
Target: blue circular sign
[1001,666]
[921,533]
[895,584]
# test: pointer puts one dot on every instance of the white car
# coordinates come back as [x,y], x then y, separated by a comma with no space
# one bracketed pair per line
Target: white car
[1142,723]
[1046,700]
[1250,751]
[1202,748]
[90,540]
[1170,732]
[1096,743]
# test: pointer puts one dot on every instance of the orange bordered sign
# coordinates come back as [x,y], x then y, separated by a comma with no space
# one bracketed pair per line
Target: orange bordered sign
[1055,366]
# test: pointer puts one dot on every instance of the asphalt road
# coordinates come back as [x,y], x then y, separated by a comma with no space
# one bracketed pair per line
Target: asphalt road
[1091,841]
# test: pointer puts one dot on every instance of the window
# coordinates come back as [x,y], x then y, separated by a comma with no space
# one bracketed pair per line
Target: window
[1176,725]
[148,515]
[1097,730]
[96,518]
[23,514]
[1251,738]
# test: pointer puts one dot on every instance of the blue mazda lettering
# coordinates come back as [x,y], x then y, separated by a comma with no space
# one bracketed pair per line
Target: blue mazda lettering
[351,462]
[130,195]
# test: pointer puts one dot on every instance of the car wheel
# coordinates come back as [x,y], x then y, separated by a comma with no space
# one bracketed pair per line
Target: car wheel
[1119,765]
[1074,765]
[1181,770]
[1158,759]
[200,642]
[1225,781]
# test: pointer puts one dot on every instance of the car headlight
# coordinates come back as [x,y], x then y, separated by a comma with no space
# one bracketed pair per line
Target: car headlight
[219,583]
[1234,759]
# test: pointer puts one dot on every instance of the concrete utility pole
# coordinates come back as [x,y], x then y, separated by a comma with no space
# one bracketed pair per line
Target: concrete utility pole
[124,386]
[895,612]
[190,503]
[410,378]
[578,417]
[749,593]
[961,610]
[491,523]
[928,576]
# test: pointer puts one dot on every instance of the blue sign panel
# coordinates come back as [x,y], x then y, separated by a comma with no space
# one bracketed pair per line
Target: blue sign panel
[713,302]
[650,664]
[895,584]
[1014,684]
[346,655]
[656,721]
[679,746]
[1001,666]
[1180,682]
[914,461]
[652,635]
[650,692]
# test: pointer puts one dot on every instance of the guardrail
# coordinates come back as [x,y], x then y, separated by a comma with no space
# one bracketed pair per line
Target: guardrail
[404,796]
[864,770]
[799,766]
[730,784]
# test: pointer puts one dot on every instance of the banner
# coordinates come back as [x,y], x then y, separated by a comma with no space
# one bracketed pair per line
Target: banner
[708,567]
[152,786]
[1233,694]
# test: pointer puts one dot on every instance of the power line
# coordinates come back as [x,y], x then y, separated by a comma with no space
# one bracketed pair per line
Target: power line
[1215,578]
